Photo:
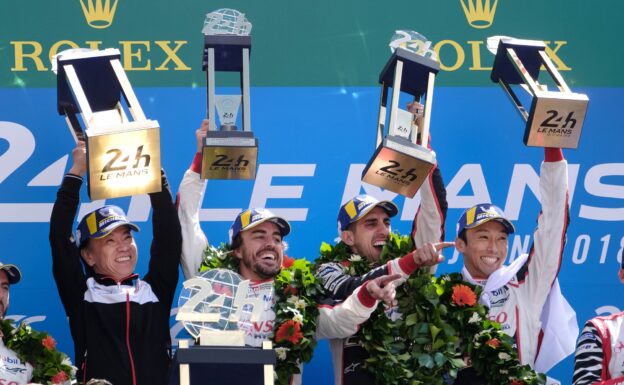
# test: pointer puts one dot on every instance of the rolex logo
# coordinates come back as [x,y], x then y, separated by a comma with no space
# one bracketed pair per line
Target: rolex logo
[99,15]
[479,13]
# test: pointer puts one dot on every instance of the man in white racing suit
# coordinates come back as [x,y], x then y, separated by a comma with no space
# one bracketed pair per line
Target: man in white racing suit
[599,357]
[256,238]
[524,297]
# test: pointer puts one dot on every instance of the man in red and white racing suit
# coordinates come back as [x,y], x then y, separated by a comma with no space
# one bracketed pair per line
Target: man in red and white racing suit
[256,239]
[516,294]
[599,357]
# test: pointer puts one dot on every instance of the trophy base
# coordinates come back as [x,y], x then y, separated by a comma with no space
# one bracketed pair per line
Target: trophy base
[124,161]
[399,165]
[556,119]
[229,155]
[221,337]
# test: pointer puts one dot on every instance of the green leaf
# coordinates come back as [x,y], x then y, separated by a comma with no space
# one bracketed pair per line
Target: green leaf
[426,361]
[411,319]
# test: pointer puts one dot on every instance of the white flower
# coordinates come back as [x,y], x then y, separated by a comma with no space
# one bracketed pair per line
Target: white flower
[351,270]
[300,304]
[355,258]
[475,318]
[504,371]
[292,299]
[298,317]
[281,353]
[504,356]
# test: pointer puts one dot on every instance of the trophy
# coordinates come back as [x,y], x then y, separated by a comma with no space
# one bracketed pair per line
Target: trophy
[555,118]
[228,153]
[402,160]
[123,156]
[214,304]
[212,307]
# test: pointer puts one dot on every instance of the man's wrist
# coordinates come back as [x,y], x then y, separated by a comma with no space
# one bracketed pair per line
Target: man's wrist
[197,161]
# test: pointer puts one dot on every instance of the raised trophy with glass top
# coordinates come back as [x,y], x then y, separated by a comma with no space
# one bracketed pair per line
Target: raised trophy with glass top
[402,160]
[229,152]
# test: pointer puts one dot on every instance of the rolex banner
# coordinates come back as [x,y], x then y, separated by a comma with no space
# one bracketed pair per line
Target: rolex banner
[314,107]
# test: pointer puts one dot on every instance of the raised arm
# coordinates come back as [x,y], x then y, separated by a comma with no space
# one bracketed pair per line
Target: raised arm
[191,195]
[66,266]
[428,224]
[549,237]
[166,244]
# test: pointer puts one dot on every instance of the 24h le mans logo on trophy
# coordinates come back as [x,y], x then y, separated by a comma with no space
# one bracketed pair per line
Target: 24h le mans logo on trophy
[212,305]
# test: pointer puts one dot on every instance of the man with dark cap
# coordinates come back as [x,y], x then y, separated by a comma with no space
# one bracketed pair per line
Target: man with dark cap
[12,369]
[119,323]
[599,357]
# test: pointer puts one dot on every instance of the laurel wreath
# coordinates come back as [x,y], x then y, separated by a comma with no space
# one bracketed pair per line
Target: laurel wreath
[50,366]
[441,326]
[295,309]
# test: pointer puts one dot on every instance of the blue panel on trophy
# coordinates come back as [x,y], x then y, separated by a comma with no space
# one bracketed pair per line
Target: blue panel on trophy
[416,69]
[528,53]
[228,51]
[98,81]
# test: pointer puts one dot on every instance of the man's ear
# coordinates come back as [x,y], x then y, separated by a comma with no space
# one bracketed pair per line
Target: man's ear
[621,275]
[87,256]
[460,245]
[348,237]
[237,253]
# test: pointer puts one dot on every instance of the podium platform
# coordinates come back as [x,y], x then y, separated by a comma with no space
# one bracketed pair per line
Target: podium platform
[223,365]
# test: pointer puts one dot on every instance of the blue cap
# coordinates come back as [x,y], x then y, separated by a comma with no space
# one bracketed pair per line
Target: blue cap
[253,217]
[100,223]
[480,214]
[12,272]
[359,206]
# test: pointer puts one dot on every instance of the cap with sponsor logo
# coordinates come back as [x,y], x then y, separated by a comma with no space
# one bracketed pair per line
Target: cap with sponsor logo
[251,218]
[100,223]
[359,206]
[12,272]
[482,213]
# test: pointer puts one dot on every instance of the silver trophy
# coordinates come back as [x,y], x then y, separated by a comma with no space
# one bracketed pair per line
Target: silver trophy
[555,118]
[213,304]
[228,153]
[123,155]
[402,160]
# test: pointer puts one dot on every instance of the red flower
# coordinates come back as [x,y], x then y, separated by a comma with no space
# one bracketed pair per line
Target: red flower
[345,263]
[48,343]
[287,262]
[463,296]
[290,290]
[516,382]
[59,378]
[494,342]
[289,331]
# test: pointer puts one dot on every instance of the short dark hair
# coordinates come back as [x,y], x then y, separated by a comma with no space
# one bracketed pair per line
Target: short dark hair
[237,242]
[462,236]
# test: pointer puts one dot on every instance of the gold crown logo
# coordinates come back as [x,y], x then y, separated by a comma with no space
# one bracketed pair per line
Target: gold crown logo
[98,15]
[478,14]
